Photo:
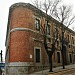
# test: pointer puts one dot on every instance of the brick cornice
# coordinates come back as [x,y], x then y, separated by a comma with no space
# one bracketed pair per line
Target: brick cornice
[28,30]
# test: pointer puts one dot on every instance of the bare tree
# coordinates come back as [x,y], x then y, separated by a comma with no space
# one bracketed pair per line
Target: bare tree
[37,3]
[48,6]
[49,50]
[64,16]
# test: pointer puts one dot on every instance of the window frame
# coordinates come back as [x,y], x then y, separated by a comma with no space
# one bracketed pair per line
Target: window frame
[68,38]
[72,40]
[35,54]
[37,24]
[56,31]
[48,28]
[70,57]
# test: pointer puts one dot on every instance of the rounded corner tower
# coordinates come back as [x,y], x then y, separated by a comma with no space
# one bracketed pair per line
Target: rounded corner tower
[19,54]
[25,51]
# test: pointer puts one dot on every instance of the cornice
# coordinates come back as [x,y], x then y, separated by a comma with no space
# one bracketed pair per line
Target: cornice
[24,29]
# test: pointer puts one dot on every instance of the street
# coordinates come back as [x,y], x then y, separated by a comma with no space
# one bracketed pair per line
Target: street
[64,72]
[69,70]
[70,73]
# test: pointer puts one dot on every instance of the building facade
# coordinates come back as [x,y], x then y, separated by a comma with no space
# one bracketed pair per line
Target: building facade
[24,40]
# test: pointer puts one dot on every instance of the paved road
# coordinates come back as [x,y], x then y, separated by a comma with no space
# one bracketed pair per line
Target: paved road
[70,74]
[66,72]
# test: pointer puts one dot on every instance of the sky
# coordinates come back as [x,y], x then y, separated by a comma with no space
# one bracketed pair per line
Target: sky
[4,11]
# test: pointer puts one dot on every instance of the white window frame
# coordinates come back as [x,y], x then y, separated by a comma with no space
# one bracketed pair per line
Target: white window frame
[37,28]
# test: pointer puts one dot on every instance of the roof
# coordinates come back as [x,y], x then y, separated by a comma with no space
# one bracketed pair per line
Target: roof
[30,6]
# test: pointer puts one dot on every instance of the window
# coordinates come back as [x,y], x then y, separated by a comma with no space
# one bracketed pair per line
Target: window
[49,39]
[37,24]
[47,27]
[58,57]
[56,32]
[57,43]
[72,40]
[37,55]
[68,39]
[74,58]
[69,46]
[70,58]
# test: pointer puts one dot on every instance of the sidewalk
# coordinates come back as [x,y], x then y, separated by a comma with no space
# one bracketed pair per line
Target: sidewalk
[46,72]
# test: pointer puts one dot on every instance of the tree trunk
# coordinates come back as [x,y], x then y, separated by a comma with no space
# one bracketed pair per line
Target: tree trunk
[50,63]
[63,63]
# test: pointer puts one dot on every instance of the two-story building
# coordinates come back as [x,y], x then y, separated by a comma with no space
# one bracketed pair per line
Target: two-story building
[25,50]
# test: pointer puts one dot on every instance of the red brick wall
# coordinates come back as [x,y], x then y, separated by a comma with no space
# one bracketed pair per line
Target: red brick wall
[21,17]
[20,42]
[20,46]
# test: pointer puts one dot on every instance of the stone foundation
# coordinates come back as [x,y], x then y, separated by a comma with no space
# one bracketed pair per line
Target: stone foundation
[18,68]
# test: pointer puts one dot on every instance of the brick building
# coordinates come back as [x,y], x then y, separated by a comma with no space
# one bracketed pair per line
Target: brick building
[24,40]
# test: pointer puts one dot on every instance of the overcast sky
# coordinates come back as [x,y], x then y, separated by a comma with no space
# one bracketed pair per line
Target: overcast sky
[4,11]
